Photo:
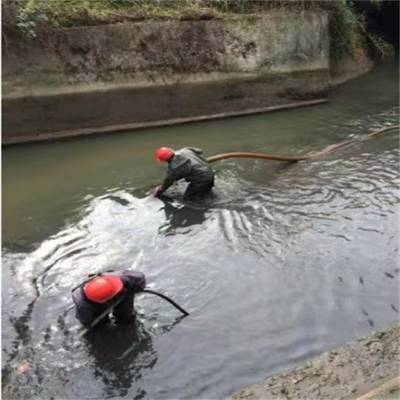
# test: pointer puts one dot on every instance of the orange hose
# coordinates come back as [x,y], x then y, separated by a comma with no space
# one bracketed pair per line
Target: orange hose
[275,157]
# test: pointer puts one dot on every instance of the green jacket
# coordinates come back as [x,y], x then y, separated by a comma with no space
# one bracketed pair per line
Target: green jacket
[189,164]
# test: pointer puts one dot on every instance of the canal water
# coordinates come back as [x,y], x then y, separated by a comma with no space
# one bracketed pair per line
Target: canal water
[286,262]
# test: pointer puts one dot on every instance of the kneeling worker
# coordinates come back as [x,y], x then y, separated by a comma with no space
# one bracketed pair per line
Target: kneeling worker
[189,164]
[95,296]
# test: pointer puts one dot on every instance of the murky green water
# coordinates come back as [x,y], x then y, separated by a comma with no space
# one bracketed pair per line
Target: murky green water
[285,263]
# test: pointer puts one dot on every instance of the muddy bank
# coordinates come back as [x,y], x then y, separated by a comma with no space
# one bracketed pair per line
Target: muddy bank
[349,371]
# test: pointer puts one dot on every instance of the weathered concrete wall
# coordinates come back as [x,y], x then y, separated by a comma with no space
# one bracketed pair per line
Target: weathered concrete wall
[370,365]
[278,42]
[350,67]
[124,73]
[273,42]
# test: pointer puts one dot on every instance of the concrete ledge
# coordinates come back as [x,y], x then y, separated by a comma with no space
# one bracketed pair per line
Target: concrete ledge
[153,124]
[70,113]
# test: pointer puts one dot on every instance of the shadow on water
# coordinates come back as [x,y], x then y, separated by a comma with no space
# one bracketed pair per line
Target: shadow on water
[181,217]
[121,355]
[117,355]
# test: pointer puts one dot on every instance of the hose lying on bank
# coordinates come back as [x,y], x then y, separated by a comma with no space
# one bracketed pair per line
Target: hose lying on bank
[274,157]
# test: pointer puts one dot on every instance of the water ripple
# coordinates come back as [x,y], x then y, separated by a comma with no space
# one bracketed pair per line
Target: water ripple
[286,261]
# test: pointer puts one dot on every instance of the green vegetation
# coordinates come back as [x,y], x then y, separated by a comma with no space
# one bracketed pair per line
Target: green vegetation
[348,29]
[31,15]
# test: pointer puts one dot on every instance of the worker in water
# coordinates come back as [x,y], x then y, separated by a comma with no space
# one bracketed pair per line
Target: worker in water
[189,164]
[97,294]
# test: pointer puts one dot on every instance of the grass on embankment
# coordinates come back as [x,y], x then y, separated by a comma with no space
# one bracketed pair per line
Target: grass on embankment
[28,17]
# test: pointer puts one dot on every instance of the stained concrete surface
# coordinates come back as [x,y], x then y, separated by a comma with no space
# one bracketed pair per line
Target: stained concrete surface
[364,369]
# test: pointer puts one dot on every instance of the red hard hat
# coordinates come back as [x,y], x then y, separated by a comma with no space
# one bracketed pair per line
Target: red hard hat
[164,154]
[103,288]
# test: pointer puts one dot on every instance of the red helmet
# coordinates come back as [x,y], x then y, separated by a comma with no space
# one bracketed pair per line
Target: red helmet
[103,288]
[164,154]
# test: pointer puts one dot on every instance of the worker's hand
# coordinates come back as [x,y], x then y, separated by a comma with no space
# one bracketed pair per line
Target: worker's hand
[158,191]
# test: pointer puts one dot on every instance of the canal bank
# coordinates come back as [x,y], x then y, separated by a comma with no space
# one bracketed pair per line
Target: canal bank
[153,73]
[368,368]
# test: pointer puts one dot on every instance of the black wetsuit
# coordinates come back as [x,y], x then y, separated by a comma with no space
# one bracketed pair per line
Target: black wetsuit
[87,311]
[189,164]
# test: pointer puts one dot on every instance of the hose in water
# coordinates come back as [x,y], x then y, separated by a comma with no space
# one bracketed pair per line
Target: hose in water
[112,306]
[163,296]
[249,154]
[275,157]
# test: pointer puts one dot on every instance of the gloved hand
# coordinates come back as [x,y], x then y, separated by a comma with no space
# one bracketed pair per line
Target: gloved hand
[158,191]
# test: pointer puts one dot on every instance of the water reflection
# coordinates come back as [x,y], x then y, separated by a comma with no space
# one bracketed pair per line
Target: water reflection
[179,218]
[310,249]
[121,355]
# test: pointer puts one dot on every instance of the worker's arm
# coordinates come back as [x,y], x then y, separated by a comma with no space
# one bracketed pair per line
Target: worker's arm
[174,174]
[168,181]
[162,188]
[84,312]
[134,281]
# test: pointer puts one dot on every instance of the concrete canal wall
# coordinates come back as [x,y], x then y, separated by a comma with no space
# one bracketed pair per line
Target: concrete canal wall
[85,78]
[368,368]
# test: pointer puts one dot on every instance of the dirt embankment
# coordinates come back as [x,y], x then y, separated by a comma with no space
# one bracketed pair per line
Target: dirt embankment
[365,369]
